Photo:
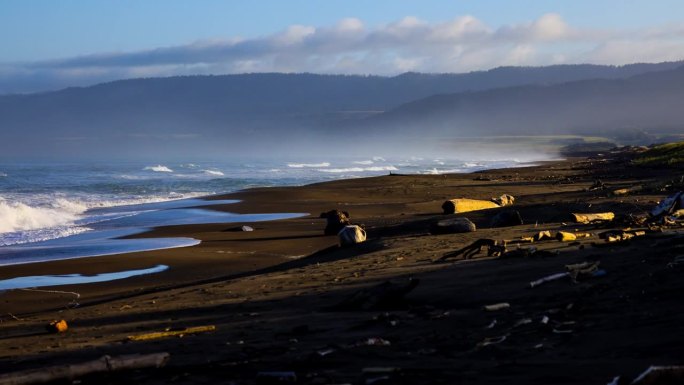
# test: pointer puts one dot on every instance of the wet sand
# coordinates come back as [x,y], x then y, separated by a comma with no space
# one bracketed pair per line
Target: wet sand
[269,292]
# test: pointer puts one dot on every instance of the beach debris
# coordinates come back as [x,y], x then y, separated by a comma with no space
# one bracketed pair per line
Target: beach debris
[351,235]
[521,252]
[627,191]
[462,205]
[593,217]
[382,296]
[620,235]
[240,228]
[73,371]
[656,375]
[325,352]
[336,220]
[374,341]
[507,218]
[597,185]
[375,375]
[504,200]
[494,249]
[669,205]
[57,326]
[497,306]
[276,377]
[172,332]
[548,278]
[492,341]
[542,236]
[453,226]
[584,269]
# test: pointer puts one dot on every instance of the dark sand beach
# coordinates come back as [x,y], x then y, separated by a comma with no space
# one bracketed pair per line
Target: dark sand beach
[270,293]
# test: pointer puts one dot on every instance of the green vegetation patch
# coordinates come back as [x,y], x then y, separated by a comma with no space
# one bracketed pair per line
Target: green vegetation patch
[668,154]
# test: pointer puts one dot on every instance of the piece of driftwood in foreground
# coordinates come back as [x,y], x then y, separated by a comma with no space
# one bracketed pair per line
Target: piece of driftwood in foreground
[172,333]
[70,372]
[462,205]
[494,249]
[593,217]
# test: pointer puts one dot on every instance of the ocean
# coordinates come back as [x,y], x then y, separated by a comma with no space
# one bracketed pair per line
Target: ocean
[54,211]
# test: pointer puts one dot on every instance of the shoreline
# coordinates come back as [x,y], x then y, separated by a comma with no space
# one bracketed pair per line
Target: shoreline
[275,285]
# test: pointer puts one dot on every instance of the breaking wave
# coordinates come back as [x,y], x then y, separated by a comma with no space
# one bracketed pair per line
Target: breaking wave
[158,168]
[214,172]
[17,216]
[358,169]
[308,165]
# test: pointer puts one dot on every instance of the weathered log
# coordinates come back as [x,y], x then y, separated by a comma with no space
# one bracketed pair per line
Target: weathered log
[565,236]
[453,226]
[70,372]
[351,235]
[172,333]
[462,205]
[593,217]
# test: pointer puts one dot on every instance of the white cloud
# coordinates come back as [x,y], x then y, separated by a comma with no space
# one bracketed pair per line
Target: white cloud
[461,44]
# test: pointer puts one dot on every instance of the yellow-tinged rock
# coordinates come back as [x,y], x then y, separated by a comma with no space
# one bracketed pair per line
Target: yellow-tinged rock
[593,217]
[57,326]
[564,236]
[462,205]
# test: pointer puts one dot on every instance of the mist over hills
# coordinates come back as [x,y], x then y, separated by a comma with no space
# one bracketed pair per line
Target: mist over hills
[271,113]
[596,106]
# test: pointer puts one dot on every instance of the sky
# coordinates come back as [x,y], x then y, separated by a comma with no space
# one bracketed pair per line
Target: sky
[48,44]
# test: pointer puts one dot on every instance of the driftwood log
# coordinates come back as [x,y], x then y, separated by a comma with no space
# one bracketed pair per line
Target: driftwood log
[172,333]
[462,205]
[593,217]
[70,372]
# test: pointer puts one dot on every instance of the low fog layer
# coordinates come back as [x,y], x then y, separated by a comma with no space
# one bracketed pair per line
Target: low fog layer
[271,115]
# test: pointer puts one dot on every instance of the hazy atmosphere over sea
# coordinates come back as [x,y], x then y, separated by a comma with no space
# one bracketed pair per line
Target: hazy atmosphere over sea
[341,192]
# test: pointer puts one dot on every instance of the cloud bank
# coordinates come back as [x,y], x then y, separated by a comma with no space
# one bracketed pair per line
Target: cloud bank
[350,47]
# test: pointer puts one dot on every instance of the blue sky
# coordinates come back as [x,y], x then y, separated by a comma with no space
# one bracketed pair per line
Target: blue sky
[50,44]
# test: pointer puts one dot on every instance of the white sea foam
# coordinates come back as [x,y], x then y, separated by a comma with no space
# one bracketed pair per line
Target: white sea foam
[213,172]
[2,174]
[158,168]
[39,235]
[17,216]
[308,165]
[435,171]
[378,159]
[364,162]
[358,169]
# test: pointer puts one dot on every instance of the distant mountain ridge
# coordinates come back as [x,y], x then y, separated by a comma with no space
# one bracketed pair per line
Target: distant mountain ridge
[646,101]
[236,111]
